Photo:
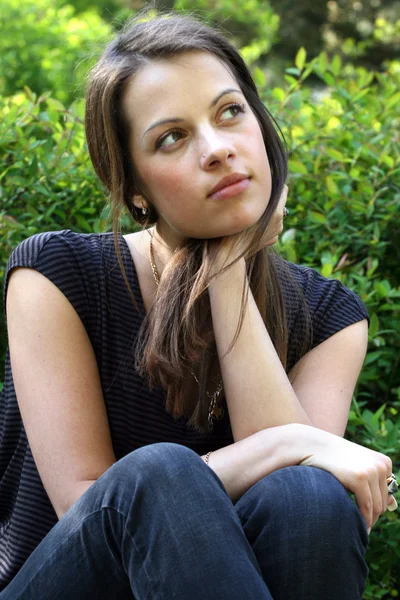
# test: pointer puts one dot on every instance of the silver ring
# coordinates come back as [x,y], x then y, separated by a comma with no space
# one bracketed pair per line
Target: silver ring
[392,484]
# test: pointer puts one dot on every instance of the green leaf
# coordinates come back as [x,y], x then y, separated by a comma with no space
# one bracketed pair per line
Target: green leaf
[296,166]
[336,64]
[388,160]
[318,217]
[381,289]
[83,223]
[331,185]
[259,77]
[326,257]
[374,326]
[334,154]
[328,78]
[32,210]
[306,72]
[368,417]
[291,81]
[323,61]
[55,104]
[360,95]
[395,99]
[279,94]
[300,58]
[372,357]
[40,188]
[378,413]
[333,123]
[29,94]
[326,270]
[292,71]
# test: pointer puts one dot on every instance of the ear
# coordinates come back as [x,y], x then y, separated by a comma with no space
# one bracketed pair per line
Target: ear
[139,201]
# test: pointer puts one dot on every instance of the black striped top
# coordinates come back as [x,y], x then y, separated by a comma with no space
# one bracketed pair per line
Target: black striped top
[84,267]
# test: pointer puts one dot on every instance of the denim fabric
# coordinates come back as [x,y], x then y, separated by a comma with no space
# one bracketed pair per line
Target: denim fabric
[159,525]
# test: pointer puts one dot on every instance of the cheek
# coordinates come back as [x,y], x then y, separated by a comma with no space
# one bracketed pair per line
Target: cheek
[263,156]
[256,134]
[166,182]
[255,140]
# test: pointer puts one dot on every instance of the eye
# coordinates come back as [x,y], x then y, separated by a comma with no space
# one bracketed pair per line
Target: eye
[172,136]
[234,109]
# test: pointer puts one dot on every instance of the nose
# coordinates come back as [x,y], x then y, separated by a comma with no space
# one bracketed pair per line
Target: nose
[216,148]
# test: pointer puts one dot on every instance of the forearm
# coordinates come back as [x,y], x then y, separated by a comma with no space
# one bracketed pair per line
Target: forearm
[258,392]
[244,463]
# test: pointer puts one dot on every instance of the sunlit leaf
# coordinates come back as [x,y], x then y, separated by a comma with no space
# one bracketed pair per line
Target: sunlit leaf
[300,58]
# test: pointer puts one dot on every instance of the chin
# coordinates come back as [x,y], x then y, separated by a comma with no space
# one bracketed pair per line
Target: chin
[232,226]
[274,241]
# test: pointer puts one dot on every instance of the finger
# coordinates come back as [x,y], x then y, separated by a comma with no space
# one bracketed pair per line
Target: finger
[392,504]
[379,491]
[277,218]
[384,488]
[364,499]
[283,197]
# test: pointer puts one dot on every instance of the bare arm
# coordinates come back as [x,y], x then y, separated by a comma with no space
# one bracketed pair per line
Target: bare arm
[58,388]
[360,470]
[244,463]
[258,392]
[324,379]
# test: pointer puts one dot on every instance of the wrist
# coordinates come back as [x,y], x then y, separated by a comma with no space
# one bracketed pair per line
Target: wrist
[309,439]
[206,457]
[235,270]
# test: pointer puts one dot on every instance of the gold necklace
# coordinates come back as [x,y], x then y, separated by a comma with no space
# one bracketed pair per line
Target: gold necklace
[215,411]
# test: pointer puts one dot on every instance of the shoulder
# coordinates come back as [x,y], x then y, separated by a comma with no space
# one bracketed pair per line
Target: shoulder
[31,249]
[61,246]
[315,288]
[331,304]
[70,260]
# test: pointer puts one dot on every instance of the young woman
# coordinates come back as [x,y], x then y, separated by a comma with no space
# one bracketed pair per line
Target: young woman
[175,398]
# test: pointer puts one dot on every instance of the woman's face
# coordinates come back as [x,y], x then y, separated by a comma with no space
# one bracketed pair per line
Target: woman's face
[191,127]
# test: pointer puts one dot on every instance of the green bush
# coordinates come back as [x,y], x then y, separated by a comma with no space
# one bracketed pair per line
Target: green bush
[46,179]
[344,191]
[252,25]
[344,208]
[47,48]
[344,196]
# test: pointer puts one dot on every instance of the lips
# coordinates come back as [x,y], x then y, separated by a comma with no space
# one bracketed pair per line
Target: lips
[229,180]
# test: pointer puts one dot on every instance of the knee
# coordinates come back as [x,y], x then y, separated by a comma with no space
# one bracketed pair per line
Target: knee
[307,501]
[148,472]
[159,462]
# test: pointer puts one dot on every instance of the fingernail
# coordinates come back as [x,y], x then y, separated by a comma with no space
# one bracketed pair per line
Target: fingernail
[369,530]
[393,505]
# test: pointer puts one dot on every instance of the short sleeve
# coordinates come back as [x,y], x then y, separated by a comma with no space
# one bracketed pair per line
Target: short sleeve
[332,305]
[62,257]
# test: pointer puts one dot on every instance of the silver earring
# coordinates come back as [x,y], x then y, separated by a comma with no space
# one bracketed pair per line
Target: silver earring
[285,212]
[144,210]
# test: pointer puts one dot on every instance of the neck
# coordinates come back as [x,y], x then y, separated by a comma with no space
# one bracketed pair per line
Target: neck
[162,251]
[164,246]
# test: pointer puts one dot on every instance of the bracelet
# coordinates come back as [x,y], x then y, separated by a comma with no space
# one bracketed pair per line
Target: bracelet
[207,457]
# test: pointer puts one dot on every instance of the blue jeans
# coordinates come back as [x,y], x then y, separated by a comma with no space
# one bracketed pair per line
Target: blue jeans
[159,525]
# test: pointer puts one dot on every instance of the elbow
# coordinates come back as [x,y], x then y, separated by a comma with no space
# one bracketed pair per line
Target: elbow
[69,499]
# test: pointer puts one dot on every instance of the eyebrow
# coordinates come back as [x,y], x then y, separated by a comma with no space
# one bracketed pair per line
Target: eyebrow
[179,120]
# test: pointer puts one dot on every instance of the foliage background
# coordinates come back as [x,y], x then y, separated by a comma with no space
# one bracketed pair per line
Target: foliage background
[330,74]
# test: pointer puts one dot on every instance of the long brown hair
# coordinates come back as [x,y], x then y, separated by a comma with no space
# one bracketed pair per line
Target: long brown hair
[177,335]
